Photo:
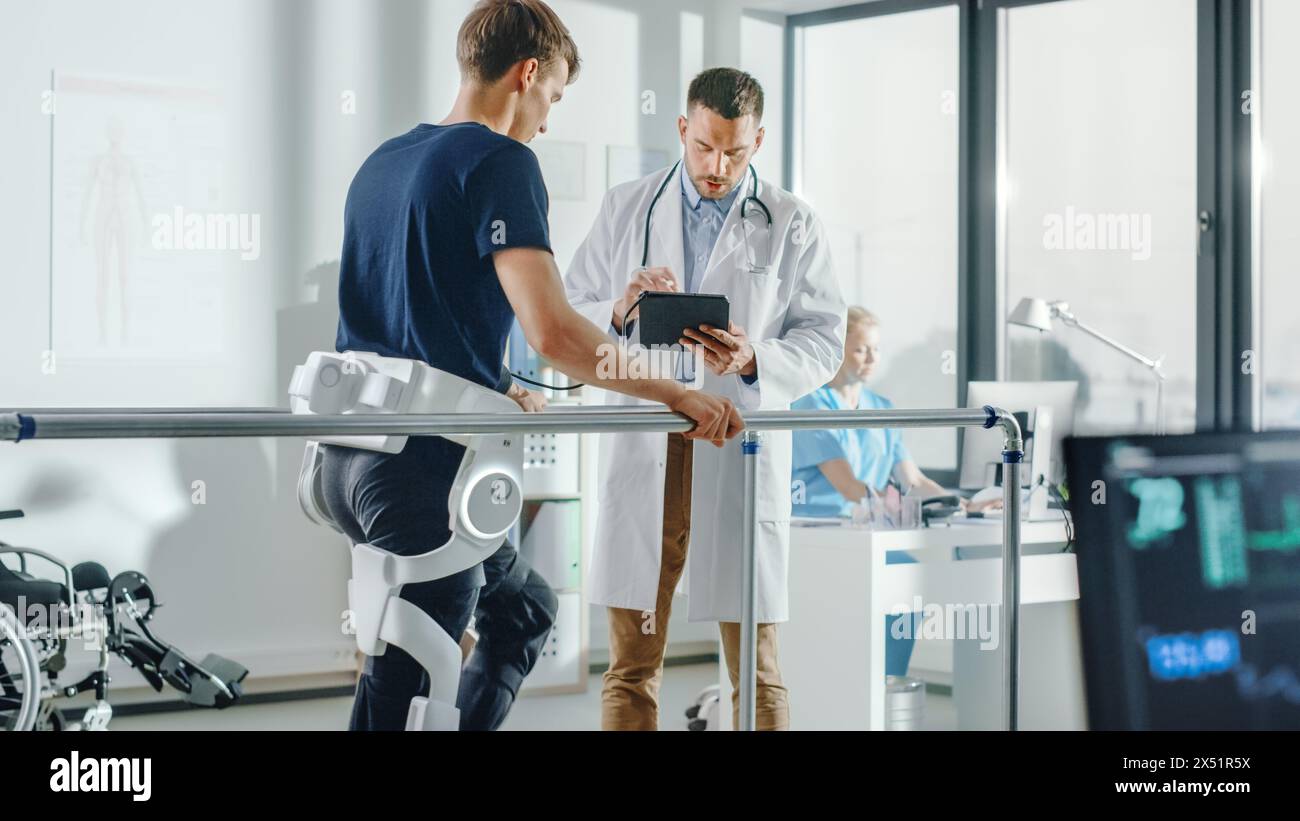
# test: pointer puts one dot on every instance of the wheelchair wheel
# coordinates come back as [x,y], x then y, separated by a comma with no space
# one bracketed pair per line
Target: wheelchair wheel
[49,719]
[20,675]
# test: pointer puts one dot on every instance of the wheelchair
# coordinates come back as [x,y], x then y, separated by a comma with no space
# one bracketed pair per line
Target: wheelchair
[39,617]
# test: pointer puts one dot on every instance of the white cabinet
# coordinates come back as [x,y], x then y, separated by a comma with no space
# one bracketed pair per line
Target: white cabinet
[552,535]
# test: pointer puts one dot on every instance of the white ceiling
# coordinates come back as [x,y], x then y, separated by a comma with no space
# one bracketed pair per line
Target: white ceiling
[796,6]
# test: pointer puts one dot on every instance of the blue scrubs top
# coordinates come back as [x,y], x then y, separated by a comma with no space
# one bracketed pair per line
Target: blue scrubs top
[872,454]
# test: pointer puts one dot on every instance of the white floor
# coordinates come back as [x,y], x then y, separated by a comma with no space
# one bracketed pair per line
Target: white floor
[563,712]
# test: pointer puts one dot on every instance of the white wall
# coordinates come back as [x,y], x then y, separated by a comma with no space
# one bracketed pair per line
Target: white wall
[762,54]
[200,102]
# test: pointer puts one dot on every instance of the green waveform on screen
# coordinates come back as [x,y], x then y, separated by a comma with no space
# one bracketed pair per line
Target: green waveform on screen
[1288,538]
[1222,531]
[1222,536]
[1160,511]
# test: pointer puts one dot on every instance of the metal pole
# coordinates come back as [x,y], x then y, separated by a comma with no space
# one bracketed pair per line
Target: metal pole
[109,424]
[1012,459]
[750,446]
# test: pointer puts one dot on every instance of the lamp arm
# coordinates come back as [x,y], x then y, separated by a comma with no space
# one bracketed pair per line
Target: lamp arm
[1153,364]
[1061,311]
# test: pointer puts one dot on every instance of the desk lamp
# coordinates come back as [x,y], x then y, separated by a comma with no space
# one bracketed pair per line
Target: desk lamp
[1038,314]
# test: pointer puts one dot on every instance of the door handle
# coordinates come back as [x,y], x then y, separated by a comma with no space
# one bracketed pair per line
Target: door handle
[1204,222]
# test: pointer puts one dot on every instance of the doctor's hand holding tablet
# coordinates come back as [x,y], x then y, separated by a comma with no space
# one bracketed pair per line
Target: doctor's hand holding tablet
[716,418]
[724,351]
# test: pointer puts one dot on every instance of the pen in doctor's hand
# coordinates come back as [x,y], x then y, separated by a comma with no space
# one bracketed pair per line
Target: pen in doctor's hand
[643,279]
[659,279]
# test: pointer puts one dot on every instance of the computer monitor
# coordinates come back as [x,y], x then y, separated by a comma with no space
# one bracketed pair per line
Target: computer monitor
[981,456]
[1189,579]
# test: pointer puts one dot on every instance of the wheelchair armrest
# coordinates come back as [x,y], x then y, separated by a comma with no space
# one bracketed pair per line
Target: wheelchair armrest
[23,552]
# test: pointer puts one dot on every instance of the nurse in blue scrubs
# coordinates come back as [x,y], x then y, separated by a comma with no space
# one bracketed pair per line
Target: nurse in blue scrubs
[834,468]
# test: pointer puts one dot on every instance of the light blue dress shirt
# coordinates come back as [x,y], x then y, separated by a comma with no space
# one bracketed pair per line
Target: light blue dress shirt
[702,221]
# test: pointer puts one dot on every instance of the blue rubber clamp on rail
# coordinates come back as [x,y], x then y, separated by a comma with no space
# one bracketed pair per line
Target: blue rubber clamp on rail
[26,428]
[993,416]
[749,448]
[1013,456]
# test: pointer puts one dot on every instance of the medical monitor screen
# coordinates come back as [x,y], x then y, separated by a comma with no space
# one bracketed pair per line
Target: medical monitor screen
[1189,579]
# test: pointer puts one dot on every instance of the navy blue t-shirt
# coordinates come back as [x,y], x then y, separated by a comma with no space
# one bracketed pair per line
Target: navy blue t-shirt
[424,215]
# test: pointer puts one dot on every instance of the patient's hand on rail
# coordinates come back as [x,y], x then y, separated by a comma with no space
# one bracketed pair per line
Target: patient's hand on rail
[530,401]
[715,418]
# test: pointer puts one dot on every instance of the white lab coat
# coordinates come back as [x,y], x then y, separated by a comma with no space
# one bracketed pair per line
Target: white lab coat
[794,315]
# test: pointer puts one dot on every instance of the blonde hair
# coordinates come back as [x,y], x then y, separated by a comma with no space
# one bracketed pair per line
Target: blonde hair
[857,315]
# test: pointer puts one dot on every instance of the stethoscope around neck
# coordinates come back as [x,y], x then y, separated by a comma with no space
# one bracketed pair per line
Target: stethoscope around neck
[754,267]
[751,200]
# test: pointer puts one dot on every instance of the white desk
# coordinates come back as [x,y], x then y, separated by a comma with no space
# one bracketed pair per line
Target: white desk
[832,651]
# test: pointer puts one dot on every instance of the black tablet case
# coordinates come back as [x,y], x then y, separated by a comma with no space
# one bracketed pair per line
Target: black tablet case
[665,314]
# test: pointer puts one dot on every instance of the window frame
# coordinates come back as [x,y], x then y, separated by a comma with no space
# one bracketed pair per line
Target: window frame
[1226,396]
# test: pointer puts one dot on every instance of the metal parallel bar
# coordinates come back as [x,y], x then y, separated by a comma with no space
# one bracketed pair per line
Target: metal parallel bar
[110,424]
[750,446]
[1011,594]
[157,409]
[1013,454]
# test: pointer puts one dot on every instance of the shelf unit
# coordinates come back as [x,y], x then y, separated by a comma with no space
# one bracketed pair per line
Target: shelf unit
[559,470]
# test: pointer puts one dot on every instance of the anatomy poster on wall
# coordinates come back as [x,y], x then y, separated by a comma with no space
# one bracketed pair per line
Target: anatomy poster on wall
[140,241]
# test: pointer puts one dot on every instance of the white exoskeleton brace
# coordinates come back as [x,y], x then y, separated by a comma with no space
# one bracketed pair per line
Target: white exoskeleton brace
[485,502]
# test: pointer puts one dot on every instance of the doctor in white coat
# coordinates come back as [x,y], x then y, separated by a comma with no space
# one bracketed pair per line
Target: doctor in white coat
[665,506]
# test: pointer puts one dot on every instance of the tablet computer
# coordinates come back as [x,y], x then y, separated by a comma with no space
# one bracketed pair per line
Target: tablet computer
[665,314]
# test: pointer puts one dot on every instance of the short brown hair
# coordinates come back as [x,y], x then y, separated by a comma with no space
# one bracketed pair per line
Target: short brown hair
[728,91]
[496,34]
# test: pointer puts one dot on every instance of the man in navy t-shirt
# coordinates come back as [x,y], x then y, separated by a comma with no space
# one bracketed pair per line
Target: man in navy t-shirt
[445,243]
[424,216]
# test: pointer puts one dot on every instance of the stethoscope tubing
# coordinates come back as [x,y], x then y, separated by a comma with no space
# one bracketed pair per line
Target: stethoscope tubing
[754,198]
